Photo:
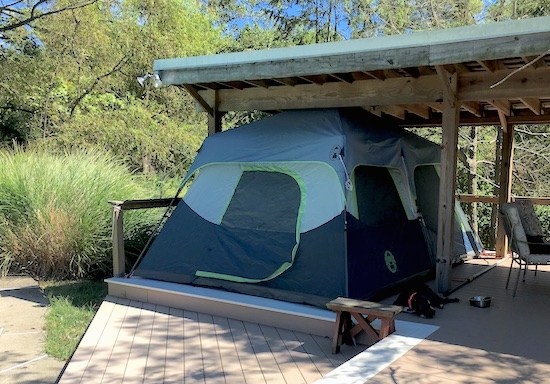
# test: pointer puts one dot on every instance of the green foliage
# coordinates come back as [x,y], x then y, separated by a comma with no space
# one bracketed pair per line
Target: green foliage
[72,307]
[137,131]
[55,221]
[71,80]
[518,9]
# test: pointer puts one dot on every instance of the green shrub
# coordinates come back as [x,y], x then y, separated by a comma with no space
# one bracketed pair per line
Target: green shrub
[55,220]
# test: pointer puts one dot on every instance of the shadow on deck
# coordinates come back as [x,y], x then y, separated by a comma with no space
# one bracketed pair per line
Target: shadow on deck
[136,341]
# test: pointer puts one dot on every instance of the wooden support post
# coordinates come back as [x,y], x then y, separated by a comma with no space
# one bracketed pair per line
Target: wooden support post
[119,259]
[447,184]
[505,190]
[215,117]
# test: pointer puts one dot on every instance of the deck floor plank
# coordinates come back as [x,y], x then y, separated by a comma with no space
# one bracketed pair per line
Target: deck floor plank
[346,351]
[251,367]
[323,360]
[121,350]
[299,355]
[139,350]
[231,363]
[194,363]
[286,363]
[175,362]
[156,358]
[104,348]
[213,368]
[268,364]
[79,362]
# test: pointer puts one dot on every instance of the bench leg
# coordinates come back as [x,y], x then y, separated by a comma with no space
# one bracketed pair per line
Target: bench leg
[365,326]
[387,327]
[337,335]
[343,320]
[343,332]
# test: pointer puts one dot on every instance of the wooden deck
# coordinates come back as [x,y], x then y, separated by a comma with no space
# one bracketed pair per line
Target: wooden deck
[133,341]
[506,343]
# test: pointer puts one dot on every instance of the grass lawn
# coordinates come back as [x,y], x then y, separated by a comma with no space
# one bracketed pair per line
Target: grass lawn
[73,304]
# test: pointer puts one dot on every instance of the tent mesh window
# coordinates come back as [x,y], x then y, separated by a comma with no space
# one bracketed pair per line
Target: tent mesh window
[378,202]
[257,204]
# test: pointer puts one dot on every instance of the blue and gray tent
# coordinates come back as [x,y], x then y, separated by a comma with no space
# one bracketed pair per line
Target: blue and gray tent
[305,206]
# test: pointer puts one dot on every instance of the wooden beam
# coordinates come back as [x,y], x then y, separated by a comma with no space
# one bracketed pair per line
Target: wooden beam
[490,65]
[412,72]
[215,117]
[360,76]
[505,190]
[234,84]
[375,110]
[315,79]
[447,79]
[436,106]
[447,184]
[482,86]
[378,75]
[199,97]
[393,110]
[286,81]
[426,71]
[490,117]
[473,107]
[331,95]
[129,205]
[346,77]
[461,68]
[258,83]
[533,104]
[472,87]
[534,200]
[477,199]
[536,64]
[418,109]
[502,106]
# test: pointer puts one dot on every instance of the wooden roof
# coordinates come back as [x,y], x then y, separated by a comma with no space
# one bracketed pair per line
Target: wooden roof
[403,76]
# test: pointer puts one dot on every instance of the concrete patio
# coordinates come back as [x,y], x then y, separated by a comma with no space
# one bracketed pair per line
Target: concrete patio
[22,356]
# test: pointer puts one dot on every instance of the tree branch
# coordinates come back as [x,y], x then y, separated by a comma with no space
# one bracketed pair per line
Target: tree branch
[116,68]
[8,108]
[35,16]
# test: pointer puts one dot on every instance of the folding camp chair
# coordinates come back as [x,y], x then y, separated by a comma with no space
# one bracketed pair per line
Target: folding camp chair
[525,236]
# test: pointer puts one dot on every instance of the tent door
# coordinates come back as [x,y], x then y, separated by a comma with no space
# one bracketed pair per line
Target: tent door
[259,229]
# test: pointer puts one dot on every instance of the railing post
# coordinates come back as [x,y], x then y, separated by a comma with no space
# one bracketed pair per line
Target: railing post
[505,190]
[119,259]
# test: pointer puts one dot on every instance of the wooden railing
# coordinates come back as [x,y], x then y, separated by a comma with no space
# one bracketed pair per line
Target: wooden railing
[118,208]
[494,199]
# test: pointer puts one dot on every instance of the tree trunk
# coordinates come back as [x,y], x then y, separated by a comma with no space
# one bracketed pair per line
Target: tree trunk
[147,165]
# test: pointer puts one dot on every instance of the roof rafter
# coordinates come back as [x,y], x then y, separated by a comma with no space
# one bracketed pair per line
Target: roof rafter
[533,104]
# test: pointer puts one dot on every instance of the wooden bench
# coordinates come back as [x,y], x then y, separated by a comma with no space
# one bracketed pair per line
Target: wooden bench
[364,312]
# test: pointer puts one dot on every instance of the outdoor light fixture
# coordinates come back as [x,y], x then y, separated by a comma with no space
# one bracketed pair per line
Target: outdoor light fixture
[153,79]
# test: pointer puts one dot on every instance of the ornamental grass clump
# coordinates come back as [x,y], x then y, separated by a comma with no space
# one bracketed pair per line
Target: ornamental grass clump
[55,220]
